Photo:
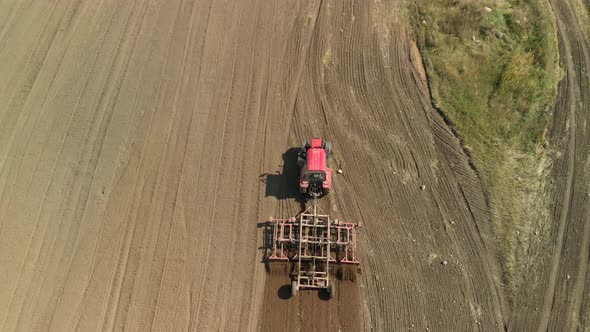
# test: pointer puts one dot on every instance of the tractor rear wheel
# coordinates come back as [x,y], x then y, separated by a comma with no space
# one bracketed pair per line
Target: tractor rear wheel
[300,161]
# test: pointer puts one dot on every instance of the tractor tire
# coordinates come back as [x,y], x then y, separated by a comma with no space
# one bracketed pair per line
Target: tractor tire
[300,161]
[293,288]
[328,148]
[304,145]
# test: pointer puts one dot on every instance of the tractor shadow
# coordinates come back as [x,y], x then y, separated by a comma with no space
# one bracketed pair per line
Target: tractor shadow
[285,185]
[282,185]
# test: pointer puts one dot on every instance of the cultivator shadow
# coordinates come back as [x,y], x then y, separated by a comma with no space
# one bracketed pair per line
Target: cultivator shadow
[312,242]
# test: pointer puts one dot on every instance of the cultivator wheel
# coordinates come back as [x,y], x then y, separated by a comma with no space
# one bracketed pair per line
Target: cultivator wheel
[330,291]
[294,288]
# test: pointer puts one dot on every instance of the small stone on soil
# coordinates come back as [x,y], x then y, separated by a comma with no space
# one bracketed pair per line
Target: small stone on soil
[422,187]
[445,262]
[487,9]
[339,171]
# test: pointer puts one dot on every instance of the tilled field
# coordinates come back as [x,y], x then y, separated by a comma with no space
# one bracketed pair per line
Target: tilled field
[363,86]
[143,143]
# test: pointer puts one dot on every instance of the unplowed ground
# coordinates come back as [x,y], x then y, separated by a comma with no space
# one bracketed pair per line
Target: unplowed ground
[557,292]
[142,142]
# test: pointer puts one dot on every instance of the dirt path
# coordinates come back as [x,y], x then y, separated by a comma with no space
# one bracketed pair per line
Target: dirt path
[567,295]
[132,139]
[558,288]
[564,301]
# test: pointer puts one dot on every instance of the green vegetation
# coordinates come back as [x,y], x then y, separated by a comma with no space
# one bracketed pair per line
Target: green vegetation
[493,69]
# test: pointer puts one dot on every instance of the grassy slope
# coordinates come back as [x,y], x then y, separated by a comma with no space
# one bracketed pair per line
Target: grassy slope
[493,69]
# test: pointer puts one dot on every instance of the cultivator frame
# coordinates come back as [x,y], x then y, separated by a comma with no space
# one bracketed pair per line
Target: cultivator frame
[312,241]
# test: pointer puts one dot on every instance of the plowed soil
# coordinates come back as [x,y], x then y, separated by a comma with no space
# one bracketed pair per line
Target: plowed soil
[143,143]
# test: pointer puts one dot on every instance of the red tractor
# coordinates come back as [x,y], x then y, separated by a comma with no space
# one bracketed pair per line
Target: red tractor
[313,241]
[315,179]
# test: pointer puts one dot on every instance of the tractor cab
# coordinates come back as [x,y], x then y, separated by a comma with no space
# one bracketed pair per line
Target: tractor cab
[315,178]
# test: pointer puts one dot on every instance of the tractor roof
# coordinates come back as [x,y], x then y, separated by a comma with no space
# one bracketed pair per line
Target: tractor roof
[316,159]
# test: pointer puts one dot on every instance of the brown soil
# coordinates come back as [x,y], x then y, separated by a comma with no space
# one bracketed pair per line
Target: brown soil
[139,148]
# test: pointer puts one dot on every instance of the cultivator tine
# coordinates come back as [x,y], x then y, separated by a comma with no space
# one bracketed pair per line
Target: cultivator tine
[282,235]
